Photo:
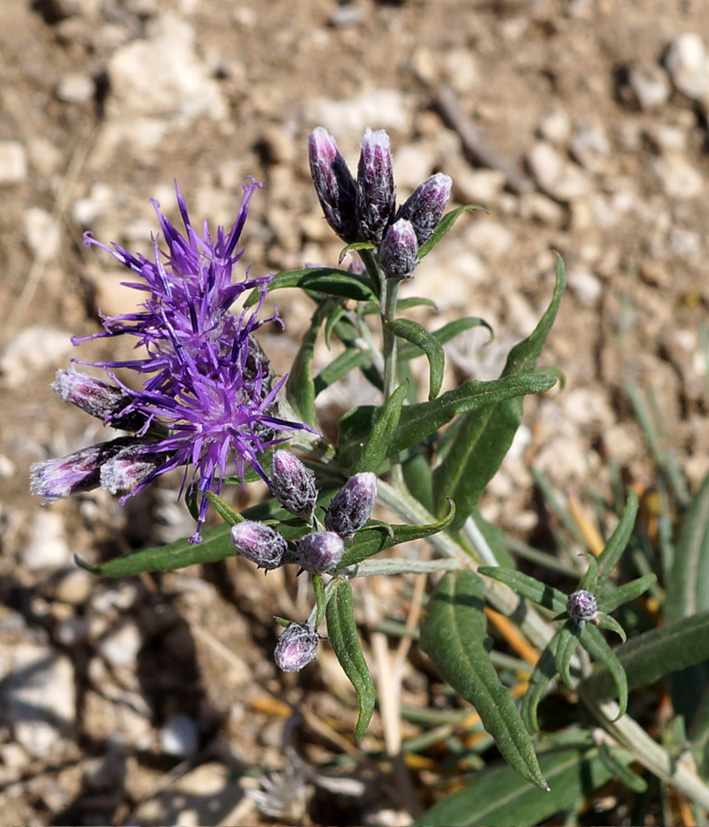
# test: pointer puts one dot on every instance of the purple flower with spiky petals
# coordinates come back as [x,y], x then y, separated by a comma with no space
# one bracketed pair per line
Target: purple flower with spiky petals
[210,400]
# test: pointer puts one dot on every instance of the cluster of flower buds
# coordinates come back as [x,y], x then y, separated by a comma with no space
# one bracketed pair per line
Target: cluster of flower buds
[365,209]
[318,551]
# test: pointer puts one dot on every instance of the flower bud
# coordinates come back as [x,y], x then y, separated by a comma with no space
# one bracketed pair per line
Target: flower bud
[376,192]
[98,398]
[259,543]
[129,468]
[425,206]
[293,484]
[334,184]
[296,647]
[319,551]
[351,506]
[581,606]
[398,254]
[81,471]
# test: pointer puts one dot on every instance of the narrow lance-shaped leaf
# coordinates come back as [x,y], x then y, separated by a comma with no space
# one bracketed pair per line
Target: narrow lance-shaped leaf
[628,591]
[610,555]
[688,591]
[424,418]
[341,365]
[376,538]
[445,334]
[483,438]
[595,644]
[327,280]
[542,675]
[565,648]
[452,635]
[654,654]
[342,631]
[526,586]
[501,798]
[374,451]
[444,226]
[300,388]
[418,335]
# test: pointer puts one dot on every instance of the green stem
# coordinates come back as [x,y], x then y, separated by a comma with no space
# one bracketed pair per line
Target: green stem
[389,296]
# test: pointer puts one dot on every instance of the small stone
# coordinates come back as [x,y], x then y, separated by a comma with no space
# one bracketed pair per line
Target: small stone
[490,239]
[677,177]
[346,15]
[348,118]
[179,736]
[122,647]
[649,85]
[44,156]
[412,164]
[688,65]
[75,87]
[590,148]
[13,162]
[47,546]
[42,232]
[556,126]
[75,587]
[556,176]
[586,286]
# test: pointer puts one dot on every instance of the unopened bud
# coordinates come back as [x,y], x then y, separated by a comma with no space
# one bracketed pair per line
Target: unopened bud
[376,192]
[98,398]
[351,506]
[398,254]
[296,647]
[334,184]
[259,543]
[425,206]
[55,479]
[319,552]
[581,606]
[293,484]
[130,468]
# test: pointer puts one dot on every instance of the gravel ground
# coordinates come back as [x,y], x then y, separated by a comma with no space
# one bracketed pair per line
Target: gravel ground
[580,125]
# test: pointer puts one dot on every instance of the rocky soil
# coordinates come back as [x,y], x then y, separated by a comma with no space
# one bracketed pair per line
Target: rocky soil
[580,125]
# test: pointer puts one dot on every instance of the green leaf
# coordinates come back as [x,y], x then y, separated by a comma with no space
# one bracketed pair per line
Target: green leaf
[484,437]
[216,545]
[620,771]
[418,335]
[376,538]
[444,226]
[595,644]
[417,476]
[225,511]
[610,624]
[371,308]
[526,586]
[542,675]
[590,576]
[374,451]
[424,418]
[452,635]
[654,654]
[568,642]
[333,318]
[348,360]
[342,631]
[499,798]
[300,388]
[327,280]
[688,588]
[445,334]
[628,591]
[610,555]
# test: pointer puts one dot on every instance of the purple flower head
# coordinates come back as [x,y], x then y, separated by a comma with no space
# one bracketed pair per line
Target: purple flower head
[399,251]
[296,647]
[293,484]
[334,184]
[376,192]
[319,551]
[209,399]
[350,508]
[55,479]
[259,543]
[97,397]
[581,605]
[425,206]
